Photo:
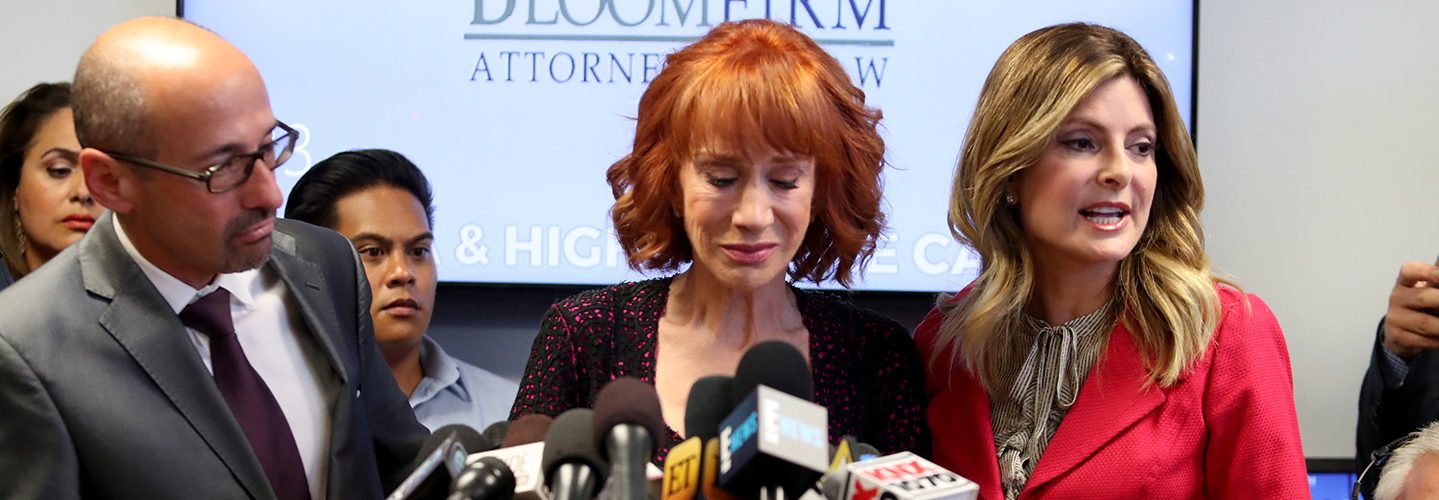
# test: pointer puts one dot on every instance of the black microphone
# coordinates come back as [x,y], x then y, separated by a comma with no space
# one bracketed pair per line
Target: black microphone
[470,439]
[574,469]
[522,449]
[485,479]
[710,401]
[775,364]
[441,458]
[628,427]
[494,435]
[685,467]
[775,442]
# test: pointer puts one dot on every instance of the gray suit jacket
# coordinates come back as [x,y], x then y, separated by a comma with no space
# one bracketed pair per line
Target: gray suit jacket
[102,394]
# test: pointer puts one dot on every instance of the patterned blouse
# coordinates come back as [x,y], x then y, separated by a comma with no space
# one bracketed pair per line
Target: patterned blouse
[865,366]
[1045,385]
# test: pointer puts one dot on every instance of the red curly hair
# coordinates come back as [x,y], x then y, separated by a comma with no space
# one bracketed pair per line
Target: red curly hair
[760,85]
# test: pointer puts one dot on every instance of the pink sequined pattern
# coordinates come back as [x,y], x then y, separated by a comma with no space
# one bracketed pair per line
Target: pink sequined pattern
[866,368]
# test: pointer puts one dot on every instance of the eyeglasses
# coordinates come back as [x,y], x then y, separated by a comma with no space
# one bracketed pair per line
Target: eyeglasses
[235,170]
[1377,460]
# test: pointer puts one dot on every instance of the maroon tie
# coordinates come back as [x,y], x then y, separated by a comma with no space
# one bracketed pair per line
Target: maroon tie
[249,398]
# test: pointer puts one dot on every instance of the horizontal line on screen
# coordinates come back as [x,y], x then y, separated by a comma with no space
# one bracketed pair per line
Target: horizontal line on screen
[649,38]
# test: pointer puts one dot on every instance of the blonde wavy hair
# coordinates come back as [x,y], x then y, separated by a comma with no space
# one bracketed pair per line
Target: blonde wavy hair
[1165,289]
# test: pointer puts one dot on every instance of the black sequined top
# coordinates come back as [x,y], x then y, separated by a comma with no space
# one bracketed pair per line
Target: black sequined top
[866,368]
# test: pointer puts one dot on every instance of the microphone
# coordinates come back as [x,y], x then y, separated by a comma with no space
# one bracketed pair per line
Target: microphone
[848,451]
[627,426]
[487,478]
[686,465]
[574,469]
[522,451]
[863,451]
[709,487]
[530,428]
[902,476]
[710,401]
[441,458]
[775,441]
[682,470]
[494,434]
[775,364]
[840,455]
[843,453]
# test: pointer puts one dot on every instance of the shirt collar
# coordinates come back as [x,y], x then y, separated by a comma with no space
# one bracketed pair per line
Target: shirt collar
[1089,324]
[441,374]
[178,294]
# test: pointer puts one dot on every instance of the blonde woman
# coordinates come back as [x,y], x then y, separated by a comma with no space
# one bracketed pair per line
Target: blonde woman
[1097,356]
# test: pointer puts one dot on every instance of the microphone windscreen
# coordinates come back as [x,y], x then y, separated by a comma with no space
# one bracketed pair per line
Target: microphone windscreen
[462,433]
[710,401]
[494,435]
[774,364]
[488,478]
[528,429]
[468,437]
[863,451]
[571,440]
[626,400]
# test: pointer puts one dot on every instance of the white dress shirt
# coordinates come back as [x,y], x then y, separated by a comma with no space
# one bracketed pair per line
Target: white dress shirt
[267,326]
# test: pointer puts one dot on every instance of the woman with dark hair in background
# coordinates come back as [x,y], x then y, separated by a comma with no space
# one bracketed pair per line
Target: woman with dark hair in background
[382,202]
[44,204]
[1097,355]
[755,162]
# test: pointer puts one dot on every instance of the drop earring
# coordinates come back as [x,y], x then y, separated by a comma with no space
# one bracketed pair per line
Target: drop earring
[20,234]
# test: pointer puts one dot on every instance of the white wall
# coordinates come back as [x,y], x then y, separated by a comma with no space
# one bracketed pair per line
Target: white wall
[42,40]
[1317,139]
[1316,124]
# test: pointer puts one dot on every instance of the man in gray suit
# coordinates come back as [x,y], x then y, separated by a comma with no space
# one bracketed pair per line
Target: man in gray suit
[192,345]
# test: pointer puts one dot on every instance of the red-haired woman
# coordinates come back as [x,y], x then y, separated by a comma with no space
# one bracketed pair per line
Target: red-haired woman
[756,162]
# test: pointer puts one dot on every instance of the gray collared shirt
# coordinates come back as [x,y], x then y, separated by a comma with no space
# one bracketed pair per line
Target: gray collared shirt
[456,392]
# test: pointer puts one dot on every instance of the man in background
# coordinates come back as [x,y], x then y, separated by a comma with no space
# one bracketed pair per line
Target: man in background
[1400,392]
[1413,470]
[191,345]
[383,204]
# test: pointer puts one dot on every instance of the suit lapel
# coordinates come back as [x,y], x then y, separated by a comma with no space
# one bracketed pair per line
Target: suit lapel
[970,399]
[959,413]
[306,283]
[1113,399]
[140,320]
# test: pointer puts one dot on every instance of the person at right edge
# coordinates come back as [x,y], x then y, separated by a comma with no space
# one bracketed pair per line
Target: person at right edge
[1097,355]
[1400,393]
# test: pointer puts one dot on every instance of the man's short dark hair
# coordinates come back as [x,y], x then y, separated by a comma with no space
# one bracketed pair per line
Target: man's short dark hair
[314,197]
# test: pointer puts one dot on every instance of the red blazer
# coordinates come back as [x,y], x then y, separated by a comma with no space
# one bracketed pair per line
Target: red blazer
[1226,429]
